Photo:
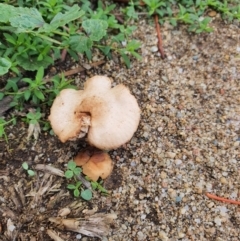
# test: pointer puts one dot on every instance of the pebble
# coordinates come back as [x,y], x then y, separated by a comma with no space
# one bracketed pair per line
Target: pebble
[223,180]
[218,221]
[170,154]
[163,175]
[141,236]
[154,49]
[181,235]
[225,174]
[210,205]
[78,236]
[163,236]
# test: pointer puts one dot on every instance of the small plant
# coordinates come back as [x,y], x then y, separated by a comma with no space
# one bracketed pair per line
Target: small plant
[72,172]
[98,186]
[30,172]
[3,124]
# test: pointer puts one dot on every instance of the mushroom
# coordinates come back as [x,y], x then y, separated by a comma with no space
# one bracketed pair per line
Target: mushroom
[109,116]
[98,164]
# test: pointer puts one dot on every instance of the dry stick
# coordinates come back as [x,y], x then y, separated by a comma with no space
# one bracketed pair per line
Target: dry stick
[80,69]
[160,44]
[212,196]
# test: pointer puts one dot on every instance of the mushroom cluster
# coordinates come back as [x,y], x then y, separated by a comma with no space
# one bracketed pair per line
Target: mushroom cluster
[109,116]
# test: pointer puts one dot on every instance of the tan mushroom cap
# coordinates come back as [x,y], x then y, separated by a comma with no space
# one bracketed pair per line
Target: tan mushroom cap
[114,114]
[65,121]
[98,165]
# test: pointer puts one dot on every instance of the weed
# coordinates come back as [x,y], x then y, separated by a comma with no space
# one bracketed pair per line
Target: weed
[3,124]
[30,172]
[73,172]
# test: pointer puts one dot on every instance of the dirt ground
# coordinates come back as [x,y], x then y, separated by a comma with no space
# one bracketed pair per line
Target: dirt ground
[187,144]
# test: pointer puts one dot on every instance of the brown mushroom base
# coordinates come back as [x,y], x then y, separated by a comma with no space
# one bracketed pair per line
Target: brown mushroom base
[95,164]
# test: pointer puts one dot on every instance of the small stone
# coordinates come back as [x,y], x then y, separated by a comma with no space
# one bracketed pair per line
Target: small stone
[164,78]
[154,49]
[198,159]
[124,226]
[225,174]
[163,175]
[145,134]
[178,162]
[170,154]
[210,205]
[172,193]
[163,236]
[236,143]
[181,235]
[140,235]
[218,221]
[183,210]
[178,199]
[78,236]
[223,180]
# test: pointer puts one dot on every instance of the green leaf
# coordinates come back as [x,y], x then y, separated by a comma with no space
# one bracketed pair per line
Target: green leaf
[173,22]
[71,165]
[105,49]
[27,94]
[27,19]
[78,184]
[80,43]
[6,12]
[10,38]
[62,19]
[68,174]
[31,63]
[1,95]
[125,59]
[38,94]
[25,166]
[40,74]
[31,173]
[77,171]
[4,66]
[71,186]
[76,193]
[12,84]
[95,28]
[94,185]
[86,194]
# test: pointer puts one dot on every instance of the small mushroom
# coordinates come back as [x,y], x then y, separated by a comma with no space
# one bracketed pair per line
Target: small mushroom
[110,116]
[99,164]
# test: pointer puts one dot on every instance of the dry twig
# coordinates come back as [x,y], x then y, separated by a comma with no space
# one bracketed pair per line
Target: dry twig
[212,196]
[96,225]
[80,69]
[50,169]
[53,235]
[160,43]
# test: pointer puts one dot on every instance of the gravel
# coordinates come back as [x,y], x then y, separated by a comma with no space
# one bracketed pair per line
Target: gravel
[188,139]
[187,142]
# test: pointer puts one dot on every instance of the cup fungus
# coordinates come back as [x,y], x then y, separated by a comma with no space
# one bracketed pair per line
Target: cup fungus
[109,116]
[98,164]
